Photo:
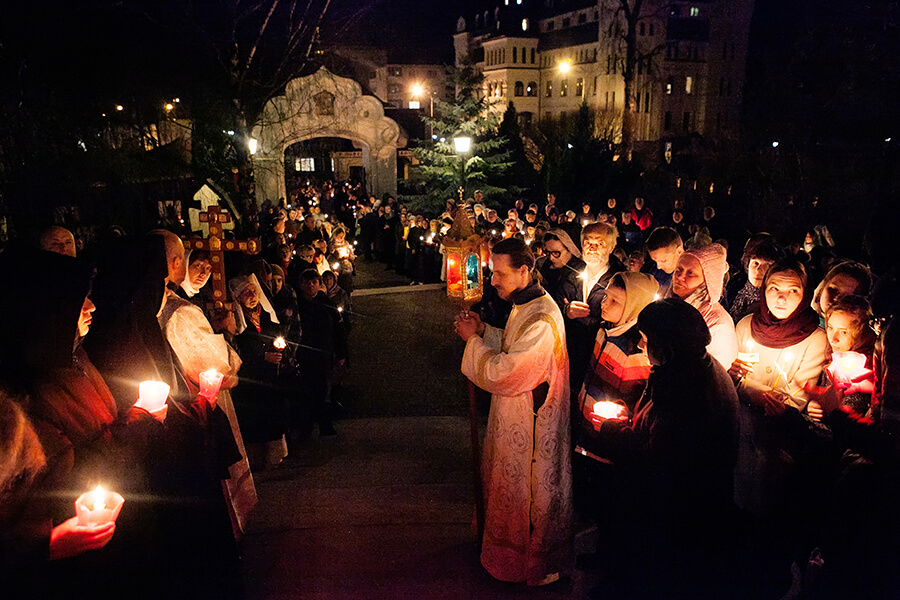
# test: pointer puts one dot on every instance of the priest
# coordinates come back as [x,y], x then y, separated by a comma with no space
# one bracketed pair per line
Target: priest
[526,467]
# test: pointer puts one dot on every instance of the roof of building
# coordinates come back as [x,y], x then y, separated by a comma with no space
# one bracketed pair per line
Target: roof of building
[587,33]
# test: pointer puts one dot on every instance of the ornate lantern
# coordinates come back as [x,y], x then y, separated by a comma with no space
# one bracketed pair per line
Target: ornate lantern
[465,281]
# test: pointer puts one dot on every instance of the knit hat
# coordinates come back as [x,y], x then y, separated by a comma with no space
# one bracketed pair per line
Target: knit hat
[566,241]
[714,262]
[640,290]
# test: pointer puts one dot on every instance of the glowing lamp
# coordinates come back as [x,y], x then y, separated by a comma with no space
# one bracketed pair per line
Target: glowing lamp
[210,383]
[152,395]
[462,144]
[98,507]
[847,366]
[465,282]
[610,410]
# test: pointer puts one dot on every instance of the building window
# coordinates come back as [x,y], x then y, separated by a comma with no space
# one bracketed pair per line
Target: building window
[607,100]
[518,1]
[519,89]
[395,71]
[566,22]
[579,87]
[394,88]
[688,84]
[549,88]
[608,64]
[547,115]
[641,29]
[612,99]
[667,121]
[414,105]
[307,164]
[695,12]
[515,54]
[525,119]
[582,18]
[550,25]
[637,102]
[531,90]
[647,102]
[532,56]
[594,93]
[651,29]
[564,88]
[524,24]
[686,122]
[670,83]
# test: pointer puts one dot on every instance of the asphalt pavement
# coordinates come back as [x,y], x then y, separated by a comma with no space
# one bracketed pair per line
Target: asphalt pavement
[384,510]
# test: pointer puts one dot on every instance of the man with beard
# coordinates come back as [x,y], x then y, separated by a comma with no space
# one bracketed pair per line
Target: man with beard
[598,240]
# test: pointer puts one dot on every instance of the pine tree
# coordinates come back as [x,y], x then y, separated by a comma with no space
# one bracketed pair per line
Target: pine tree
[441,170]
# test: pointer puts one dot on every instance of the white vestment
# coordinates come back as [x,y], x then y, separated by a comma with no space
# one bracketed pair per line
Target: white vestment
[199,348]
[526,467]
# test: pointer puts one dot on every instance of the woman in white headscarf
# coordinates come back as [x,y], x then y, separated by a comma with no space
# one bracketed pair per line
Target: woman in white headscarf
[259,401]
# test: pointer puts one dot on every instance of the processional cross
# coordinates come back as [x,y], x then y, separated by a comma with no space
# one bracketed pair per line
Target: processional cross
[217,246]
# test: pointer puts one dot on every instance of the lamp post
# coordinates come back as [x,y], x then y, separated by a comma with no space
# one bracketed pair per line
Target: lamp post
[462,144]
[417,91]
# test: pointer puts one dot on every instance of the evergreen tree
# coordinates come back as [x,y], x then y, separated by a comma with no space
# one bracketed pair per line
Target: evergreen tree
[441,170]
[521,178]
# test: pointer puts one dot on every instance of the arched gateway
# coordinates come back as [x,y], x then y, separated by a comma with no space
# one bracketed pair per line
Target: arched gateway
[325,105]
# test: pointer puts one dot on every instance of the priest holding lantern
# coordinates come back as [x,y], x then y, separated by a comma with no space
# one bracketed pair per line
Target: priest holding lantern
[526,467]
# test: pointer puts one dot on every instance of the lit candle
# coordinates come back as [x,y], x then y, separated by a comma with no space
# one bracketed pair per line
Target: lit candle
[210,383]
[749,356]
[98,507]
[279,343]
[336,266]
[788,357]
[340,309]
[152,395]
[610,410]
[847,366]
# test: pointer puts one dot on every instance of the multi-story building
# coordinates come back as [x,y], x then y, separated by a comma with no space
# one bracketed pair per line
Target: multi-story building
[550,56]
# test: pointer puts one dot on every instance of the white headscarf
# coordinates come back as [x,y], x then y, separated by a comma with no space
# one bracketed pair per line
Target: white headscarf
[237,285]
[186,285]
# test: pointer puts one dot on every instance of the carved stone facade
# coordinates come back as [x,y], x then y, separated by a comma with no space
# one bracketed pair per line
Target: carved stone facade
[325,105]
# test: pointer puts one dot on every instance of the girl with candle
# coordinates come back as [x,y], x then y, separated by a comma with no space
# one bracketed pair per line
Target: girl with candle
[843,279]
[258,399]
[677,456]
[792,351]
[618,369]
[847,327]
[698,280]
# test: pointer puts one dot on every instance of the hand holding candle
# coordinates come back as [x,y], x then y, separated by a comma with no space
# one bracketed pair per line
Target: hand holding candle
[750,357]
[98,508]
[847,367]
[210,384]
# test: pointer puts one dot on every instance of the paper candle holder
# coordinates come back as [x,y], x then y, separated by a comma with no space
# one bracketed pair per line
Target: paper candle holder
[610,410]
[98,507]
[210,383]
[846,366]
[152,395]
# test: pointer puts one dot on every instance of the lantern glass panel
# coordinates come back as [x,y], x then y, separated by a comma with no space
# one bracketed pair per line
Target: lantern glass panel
[472,266]
[454,276]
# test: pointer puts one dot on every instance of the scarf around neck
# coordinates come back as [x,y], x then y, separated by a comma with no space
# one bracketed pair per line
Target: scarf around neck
[772,332]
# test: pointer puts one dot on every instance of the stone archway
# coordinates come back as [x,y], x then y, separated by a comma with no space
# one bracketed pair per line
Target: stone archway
[325,105]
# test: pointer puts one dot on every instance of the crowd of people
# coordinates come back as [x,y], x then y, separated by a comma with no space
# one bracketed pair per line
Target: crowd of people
[714,436]
[689,407]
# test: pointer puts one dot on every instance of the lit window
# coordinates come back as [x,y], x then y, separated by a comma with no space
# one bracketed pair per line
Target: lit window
[579,87]
[531,90]
[519,89]
[518,1]
[669,84]
[414,104]
[307,164]
[688,85]
[549,88]
[564,87]
[524,24]
[695,12]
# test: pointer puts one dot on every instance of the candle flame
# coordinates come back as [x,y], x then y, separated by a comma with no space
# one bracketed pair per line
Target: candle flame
[750,346]
[609,410]
[655,297]
[98,499]
[280,343]
[847,363]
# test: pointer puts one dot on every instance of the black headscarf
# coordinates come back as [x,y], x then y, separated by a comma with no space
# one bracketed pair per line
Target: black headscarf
[678,336]
[39,312]
[772,332]
[126,343]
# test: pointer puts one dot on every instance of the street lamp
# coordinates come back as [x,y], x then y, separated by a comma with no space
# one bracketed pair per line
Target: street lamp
[418,90]
[462,144]
[565,66]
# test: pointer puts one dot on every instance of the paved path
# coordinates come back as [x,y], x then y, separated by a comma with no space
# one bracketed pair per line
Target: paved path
[385,509]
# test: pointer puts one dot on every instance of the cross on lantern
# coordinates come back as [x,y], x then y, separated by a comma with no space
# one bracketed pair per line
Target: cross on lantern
[217,246]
